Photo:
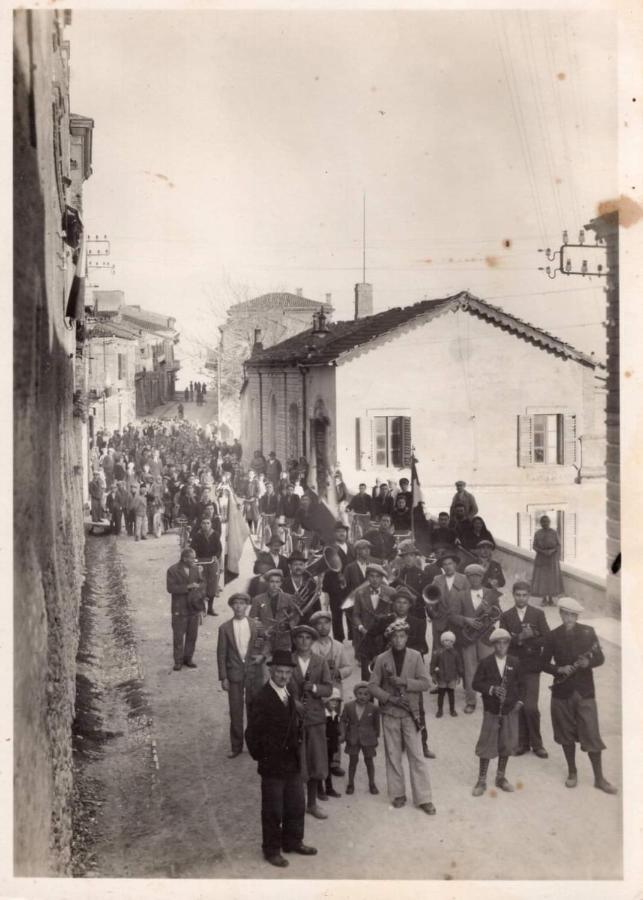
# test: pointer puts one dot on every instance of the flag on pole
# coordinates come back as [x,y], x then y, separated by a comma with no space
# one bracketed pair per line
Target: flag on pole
[416,488]
[238,533]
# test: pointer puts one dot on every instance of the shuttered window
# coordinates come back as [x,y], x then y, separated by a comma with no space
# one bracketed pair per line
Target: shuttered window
[383,441]
[562,520]
[547,439]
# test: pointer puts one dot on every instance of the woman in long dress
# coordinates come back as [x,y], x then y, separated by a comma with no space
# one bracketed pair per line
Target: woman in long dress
[546,581]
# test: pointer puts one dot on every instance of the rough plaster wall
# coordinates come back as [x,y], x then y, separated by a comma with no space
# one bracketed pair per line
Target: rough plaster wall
[48,532]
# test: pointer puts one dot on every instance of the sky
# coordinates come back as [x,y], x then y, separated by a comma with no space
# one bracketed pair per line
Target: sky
[232,151]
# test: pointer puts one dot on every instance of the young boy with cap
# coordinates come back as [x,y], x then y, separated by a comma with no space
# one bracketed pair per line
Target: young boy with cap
[332,707]
[446,670]
[360,729]
[575,651]
[497,678]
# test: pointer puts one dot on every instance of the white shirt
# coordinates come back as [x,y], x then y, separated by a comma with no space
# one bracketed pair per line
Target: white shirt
[521,613]
[449,580]
[303,664]
[241,628]
[501,663]
[476,598]
[343,547]
[281,692]
[375,599]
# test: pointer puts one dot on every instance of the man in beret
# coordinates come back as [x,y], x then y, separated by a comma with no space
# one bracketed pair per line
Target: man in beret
[276,613]
[570,653]
[240,665]
[274,737]
[185,582]
[528,628]
[468,608]
[398,679]
[371,600]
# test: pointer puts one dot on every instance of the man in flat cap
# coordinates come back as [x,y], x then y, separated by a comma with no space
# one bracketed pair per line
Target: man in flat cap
[185,582]
[493,575]
[398,679]
[310,683]
[276,613]
[570,653]
[475,608]
[371,600]
[240,665]
[497,679]
[528,628]
[274,737]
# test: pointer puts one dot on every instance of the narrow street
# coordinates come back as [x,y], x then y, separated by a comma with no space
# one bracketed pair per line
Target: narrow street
[168,803]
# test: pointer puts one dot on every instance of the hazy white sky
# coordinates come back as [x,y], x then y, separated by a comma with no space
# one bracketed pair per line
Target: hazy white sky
[234,148]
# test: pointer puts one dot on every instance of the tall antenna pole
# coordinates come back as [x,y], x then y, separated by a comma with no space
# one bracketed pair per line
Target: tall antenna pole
[364,240]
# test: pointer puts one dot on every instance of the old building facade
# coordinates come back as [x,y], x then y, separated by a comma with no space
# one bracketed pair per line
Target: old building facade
[479,395]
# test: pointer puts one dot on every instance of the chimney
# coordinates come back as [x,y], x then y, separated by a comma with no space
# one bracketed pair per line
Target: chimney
[299,292]
[328,299]
[320,323]
[258,343]
[363,300]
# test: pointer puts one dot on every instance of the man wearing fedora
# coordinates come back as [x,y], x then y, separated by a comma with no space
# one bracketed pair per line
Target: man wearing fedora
[452,585]
[570,653]
[184,581]
[240,666]
[372,599]
[398,678]
[276,613]
[467,608]
[299,582]
[278,560]
[274,737]
[310,683]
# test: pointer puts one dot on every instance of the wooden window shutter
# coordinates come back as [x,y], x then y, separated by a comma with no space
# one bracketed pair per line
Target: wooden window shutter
[525,441]
[525,530]
[569,440]
[364,443]
[568,540]
[406,442]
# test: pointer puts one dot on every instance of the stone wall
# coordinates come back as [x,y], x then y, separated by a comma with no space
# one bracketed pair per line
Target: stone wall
[48,529]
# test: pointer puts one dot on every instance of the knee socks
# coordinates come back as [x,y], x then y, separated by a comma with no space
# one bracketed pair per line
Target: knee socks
[502,766]
[370,768]
[484,767]
[570,755]
[597,765]
[441,693]
[352,768]
[451,696]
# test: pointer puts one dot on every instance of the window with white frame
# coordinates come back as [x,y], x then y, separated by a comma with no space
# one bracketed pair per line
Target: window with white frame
[383,441]
[546,439]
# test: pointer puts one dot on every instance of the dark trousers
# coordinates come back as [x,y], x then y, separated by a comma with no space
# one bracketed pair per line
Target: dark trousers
[116,521]
[129,521]
[529,716]
[283,807]
[338,617]
[184,629]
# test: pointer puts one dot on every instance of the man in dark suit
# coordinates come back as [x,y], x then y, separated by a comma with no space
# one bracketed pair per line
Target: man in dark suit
[571,651]
[355,572]
[184,581]
[498,679]
[371,600]
[452,585]
[381,540]
[467,608]
[273,737]
[528,628]
[240,666]
[279,562]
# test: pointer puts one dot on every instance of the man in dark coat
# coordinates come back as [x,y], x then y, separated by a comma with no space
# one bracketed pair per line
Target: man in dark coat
[207,546]
[570,653]
[528,628]
[381,540]
[273,737]
[494,576]
[277,611]
[184,581]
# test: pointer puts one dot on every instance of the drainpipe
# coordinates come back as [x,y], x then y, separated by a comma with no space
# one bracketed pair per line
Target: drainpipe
[260,413]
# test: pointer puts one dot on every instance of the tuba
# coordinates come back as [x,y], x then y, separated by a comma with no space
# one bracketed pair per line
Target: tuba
[488,614]
[436,606]
[308,594]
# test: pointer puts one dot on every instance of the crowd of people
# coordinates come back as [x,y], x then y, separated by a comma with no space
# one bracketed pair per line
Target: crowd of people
[411,600]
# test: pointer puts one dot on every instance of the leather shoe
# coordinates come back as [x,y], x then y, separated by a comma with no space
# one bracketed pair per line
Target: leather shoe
[211,612]
[522,750]
[332,793]
[317,812]
[302,849]
[439,714]
[277,860]
[428,808]
[428,754]
[338,771]
[190,665]
[603,785]
[479,789]
[399,802]
[322,795]
[373,789]
[571,781]
[350,788]
[504,785]
[233,753]
[469,708]
[541,753]
[178,667]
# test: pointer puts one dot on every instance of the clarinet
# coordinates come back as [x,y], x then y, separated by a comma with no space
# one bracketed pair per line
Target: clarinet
[401,694]
[503,684]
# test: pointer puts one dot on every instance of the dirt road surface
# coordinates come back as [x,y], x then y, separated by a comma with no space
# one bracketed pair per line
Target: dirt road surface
[182,809]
